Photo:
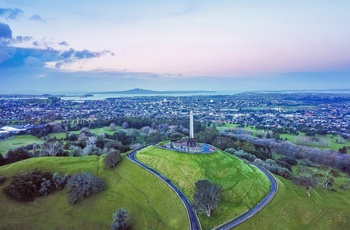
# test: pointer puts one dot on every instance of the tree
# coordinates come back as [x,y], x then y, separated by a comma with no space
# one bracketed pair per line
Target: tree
[120,218]
[18,154]
[307,182]
[112,127]
[206,196]
[125,125]
[83,185]
[112,159]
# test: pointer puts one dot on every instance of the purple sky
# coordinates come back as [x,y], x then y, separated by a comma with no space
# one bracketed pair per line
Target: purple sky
[168,45]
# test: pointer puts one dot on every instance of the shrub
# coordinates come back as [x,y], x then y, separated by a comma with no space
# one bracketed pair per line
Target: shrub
[59,181]
[2,160]
[92,150]
[76,151]
[112,159]
[82,185]
[120,218]
[2,179]
[289,160]
[29,185]
[18,154]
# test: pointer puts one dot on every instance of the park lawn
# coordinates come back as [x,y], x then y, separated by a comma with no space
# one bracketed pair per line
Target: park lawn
[149,202]
[242,185]
[97,131]
[293,209]
[334,145]
[18,141]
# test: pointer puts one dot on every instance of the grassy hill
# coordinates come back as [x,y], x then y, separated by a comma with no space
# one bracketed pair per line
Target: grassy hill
[293,209]
[150,203]
[242,185]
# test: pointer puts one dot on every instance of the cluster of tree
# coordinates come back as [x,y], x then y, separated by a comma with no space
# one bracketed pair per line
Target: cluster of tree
[206,196]
[27,186]
[314,141]
[307,178]
[324,157]
[274,167]
[241,154]
[120,219]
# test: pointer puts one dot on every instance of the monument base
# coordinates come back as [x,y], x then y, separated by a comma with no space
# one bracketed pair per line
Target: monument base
[191,142]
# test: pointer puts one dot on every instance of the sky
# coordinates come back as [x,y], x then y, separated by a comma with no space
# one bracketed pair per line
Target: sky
[227,45]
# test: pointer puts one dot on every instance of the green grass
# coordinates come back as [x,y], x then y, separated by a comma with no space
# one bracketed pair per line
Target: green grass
[293,209]
[334,145]
[242,185]
[150,203]
[18,141]
[97,131]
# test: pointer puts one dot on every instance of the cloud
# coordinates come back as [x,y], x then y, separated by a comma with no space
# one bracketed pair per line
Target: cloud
[5,31]
[37,56]
[10,13]
[63,43]
[37,17]
[14,57]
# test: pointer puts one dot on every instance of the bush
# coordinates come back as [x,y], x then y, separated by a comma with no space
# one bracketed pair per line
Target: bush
[82,185]
[2,160]
[120,218]
[59,181]
[112,159]
[2,179]
[76,151]
[29,185]
[92,150]
[18,154]
[241,154]
[289,160]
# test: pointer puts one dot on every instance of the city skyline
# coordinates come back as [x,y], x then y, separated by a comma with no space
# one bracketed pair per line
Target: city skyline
[64,46]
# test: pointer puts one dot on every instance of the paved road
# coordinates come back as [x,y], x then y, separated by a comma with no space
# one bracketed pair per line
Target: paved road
[245,216]
[194,222]
[193,219]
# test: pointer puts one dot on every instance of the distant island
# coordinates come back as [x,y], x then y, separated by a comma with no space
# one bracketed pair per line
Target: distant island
[145,91]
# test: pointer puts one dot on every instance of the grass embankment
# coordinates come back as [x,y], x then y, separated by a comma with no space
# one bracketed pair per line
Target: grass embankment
[242,185]
[18,141]
[293,209]
[149,202]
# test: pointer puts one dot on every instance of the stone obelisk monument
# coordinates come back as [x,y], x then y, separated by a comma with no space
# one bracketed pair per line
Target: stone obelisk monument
[191,142]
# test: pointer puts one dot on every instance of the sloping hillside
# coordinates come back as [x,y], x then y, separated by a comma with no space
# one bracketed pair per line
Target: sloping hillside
[242,185]
[150,203]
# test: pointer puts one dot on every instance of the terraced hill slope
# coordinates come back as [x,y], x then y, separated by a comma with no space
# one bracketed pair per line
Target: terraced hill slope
[150,203]
[242,185]
[293,209]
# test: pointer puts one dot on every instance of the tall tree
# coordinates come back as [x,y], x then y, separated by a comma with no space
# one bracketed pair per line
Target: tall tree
[206,196]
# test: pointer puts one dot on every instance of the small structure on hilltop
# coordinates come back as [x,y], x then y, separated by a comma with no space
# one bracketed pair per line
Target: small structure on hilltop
[191,142]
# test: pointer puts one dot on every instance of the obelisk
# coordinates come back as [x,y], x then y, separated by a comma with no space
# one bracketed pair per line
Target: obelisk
[191,142]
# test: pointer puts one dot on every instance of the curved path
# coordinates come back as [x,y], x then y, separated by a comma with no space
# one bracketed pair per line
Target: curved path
[194,222]
[193,219]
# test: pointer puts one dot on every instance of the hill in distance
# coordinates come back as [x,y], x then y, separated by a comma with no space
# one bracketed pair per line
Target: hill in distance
[145,91]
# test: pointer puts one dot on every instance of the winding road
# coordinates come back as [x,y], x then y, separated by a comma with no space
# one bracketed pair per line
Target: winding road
[192,216]
[193,219]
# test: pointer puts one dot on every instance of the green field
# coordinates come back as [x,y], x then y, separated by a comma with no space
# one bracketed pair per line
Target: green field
[150,203]
[18,141]
[334,145]
[97,131]
[293,209]
[242,185]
